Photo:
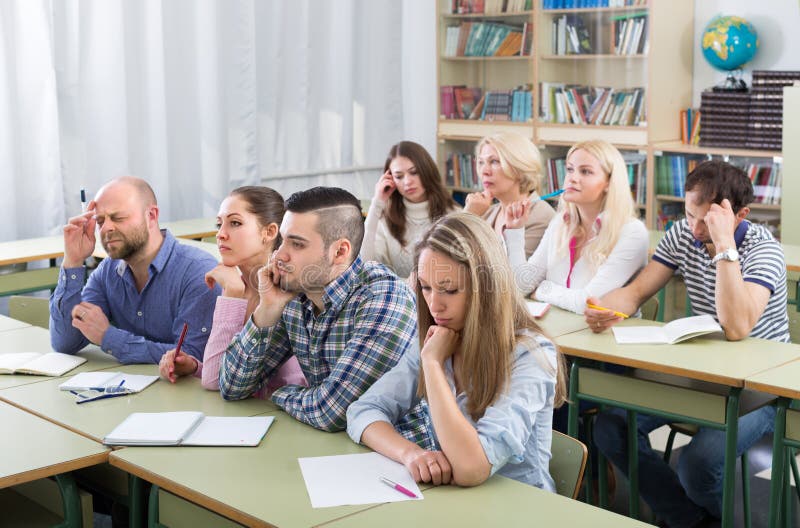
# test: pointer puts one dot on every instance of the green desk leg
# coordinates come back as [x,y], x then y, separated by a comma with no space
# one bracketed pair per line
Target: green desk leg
[662,300]
[729,475]
[73,516]
[633,465]
[152,508]
[778,463]
[574,404]
[136,501]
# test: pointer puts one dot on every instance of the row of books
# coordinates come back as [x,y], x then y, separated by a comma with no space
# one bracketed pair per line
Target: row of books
[488,39]
[636,164]
[571,36]
[730,119]
[592,105]
[580,4]
[629,34]
[672,170]
[690,126]
[489,7]
[461,171]
[460,102]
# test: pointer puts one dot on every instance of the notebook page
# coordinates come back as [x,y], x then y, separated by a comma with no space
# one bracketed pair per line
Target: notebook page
[10,362]
[52,364]
[167,428]
[229,431]
[628,335]
[87,380]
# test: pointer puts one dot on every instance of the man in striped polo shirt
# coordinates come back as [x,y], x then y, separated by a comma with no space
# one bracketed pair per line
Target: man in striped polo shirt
[734,270]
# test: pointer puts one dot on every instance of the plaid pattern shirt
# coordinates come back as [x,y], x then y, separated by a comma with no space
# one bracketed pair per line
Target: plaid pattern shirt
[367,323]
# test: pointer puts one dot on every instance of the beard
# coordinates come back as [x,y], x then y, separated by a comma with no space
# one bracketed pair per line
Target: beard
[129,244]
[311,279]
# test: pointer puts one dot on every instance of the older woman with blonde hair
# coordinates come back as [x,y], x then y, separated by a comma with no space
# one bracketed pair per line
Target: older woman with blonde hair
[490,389]
[594,244]
[510,168]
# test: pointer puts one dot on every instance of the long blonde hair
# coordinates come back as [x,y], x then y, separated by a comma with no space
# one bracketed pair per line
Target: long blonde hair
[617,210]
[519,158]
[496,312]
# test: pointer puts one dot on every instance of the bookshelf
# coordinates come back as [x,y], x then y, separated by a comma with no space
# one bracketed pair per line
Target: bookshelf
[655,95]
[588,51]
[470,47]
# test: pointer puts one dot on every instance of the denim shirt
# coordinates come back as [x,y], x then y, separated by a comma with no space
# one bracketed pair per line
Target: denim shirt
[144,324]
[515,431]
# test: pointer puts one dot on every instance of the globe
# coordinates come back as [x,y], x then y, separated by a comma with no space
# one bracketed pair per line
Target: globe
[729,42]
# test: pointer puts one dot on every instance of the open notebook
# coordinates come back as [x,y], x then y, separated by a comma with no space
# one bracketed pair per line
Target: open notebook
[673,332]
[49,364]
[189,429]
[102,380]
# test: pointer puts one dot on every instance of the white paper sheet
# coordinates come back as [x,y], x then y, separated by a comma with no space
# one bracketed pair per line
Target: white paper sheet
[229,431]
[354,479]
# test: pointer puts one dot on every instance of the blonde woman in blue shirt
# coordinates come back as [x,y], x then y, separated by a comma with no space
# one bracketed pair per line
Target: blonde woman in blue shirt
[489,390]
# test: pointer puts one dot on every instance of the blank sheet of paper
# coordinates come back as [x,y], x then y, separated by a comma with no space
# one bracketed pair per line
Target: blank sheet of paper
[354,479]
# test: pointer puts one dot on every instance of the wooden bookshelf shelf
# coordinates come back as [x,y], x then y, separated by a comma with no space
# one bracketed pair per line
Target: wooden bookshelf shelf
[683,148]
[588,56]
[486,16]
[490,58]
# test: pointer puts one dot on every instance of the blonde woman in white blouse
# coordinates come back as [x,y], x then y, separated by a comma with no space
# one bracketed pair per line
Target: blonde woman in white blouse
[409,198]
[594,244]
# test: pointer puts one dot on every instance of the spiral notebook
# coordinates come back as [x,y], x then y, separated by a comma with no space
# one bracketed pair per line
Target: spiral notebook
[189,429]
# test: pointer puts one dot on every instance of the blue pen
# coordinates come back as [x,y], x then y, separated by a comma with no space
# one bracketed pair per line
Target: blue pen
[551,195]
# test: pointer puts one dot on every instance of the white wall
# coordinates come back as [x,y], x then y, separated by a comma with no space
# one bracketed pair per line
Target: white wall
[777,23]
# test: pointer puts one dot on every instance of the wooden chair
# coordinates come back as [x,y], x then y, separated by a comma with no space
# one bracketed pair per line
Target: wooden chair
[28,281]
[567,464]
[32,310]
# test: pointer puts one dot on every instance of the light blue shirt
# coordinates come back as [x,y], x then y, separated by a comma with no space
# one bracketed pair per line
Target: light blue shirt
[515,432]
[143,325]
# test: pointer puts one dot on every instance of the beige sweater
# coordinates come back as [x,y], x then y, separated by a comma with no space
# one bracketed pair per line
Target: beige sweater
[380,245]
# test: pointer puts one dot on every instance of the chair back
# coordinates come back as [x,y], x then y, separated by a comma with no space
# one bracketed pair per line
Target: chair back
[567,464]
[32,310]
[649,309]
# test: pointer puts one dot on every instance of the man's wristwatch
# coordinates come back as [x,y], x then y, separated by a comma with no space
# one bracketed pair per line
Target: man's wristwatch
[729,254]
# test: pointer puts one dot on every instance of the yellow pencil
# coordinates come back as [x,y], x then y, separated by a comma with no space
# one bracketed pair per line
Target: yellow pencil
[618,314]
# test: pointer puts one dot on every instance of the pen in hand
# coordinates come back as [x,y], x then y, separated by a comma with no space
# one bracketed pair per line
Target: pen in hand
[618,314]
[83,200]
[180,339]
[398,487]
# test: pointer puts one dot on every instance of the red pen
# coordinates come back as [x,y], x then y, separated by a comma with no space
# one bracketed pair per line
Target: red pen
[183,336]
[398,487]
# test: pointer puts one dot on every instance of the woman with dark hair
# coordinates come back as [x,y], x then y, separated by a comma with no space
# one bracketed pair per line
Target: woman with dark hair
[409,197]
[247,233]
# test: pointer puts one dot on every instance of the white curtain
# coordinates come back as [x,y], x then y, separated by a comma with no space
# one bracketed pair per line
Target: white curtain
[200,96]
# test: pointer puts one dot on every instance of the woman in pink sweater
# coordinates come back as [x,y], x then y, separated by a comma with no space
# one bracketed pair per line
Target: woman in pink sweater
[247,223]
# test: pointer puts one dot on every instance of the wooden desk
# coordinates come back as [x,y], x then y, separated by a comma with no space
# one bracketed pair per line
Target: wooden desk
[196,228]
[34,448]
[783,381]
[497,502]
[711,360]
[52,247]
[35,339]
[96,419]
[31,249]
[7,323]
[557,322]
[261,486]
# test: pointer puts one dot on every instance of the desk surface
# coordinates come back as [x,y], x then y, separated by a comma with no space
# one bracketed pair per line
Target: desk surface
[34,448]
[50,247]
[497,502]
[261,486]
[7,323]
[557,322]
[96,419]
[711,359]
[35,339]
[192,227]
[780,381]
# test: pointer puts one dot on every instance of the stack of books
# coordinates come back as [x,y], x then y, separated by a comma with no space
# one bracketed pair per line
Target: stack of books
[724,118]
[765,126]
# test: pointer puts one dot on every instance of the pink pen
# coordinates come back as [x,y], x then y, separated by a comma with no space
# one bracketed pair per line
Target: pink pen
[398,487]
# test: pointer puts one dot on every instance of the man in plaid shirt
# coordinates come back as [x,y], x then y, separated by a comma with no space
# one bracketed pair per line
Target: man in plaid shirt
[347,322]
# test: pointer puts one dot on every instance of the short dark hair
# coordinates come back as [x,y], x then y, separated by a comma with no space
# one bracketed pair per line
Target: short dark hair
[338,214]
[265,203]
[716,180]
